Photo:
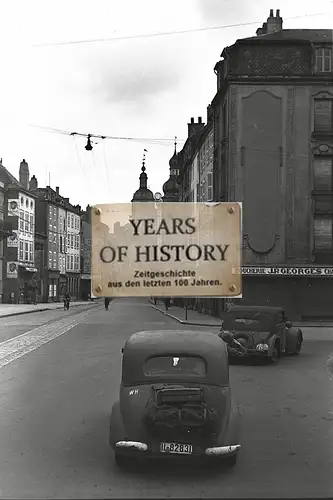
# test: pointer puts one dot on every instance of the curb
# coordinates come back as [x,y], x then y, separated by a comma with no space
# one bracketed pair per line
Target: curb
[35,311]
[183,322]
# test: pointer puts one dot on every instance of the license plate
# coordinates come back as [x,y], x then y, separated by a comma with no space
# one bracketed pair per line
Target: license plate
[183,449]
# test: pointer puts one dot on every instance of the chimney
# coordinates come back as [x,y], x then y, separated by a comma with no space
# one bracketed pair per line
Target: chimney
[273,24]
[33,184]
[193,127]
[209,113]
[57,190]
[24,174]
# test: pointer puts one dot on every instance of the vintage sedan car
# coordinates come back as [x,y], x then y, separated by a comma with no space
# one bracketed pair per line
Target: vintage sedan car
[175,399]
[260,331]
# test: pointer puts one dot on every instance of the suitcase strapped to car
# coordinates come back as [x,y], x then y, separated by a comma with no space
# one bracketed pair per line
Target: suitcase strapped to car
[179,408]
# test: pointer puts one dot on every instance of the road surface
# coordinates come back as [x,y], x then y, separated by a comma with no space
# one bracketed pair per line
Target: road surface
[57,385]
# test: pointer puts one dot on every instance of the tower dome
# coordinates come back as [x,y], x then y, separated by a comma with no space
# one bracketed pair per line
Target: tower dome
[143,193]
[171,186]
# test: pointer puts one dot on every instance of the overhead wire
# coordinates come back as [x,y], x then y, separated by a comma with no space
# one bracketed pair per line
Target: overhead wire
[166,33]
[152,140]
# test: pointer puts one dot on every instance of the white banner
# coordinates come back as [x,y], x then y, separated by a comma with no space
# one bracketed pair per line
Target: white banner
[284,271]
[13,208]
[12,241]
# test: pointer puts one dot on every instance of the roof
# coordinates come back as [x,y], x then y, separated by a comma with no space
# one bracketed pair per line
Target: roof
[182,341]
[310,35]
[263,309]
[296,36]
[143,345]
[8,178]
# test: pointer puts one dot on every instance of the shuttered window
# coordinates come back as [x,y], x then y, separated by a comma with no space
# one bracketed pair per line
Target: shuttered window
[323,233]
[323,115]
[323,173]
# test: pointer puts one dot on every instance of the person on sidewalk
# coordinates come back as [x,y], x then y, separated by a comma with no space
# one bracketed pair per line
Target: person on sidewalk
[167,302]
[106,302]
[67,300]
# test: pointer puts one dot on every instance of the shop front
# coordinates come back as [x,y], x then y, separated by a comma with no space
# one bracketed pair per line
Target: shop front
[85,286]
[73,285]
[53,292]
[306,293]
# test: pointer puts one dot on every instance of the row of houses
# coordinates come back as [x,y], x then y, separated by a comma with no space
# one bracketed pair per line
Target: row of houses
[268,143]
[45,242]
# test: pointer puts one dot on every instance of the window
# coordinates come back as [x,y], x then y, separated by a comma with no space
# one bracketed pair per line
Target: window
[323,233]
[26,223]
[61,244]
[31,253]
[210,186]
[174,365]
[26,251]
[323,173]
[323,115]
[67,265]
[21,221]
[72,262]
[21,250]
[32,228]
[324,60]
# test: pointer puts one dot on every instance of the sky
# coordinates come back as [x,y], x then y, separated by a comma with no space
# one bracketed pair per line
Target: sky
[138,87]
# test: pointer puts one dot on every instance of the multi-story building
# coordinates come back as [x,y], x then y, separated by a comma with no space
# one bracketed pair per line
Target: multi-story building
[273,151]
[85,278]
[19,272]
[189,171]
[3,233]
[58,230]
[206,160]
[73,247]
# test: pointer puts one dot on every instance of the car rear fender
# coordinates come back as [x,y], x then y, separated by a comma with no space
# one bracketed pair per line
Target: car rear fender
[117,430]
[230,434]
[271,343]
[292,336]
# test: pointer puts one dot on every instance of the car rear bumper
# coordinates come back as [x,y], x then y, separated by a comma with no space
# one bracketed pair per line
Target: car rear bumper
[138,449]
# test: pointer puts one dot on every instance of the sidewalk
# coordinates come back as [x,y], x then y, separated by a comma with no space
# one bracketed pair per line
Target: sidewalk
[193,317]
[198,319]
[17,309]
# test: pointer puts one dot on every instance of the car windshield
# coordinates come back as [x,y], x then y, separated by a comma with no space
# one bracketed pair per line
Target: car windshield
[250,321]
[175,365]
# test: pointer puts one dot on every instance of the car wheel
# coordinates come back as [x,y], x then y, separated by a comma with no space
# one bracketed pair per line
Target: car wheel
[231,461]
[298,346]
[121,460]
[274,358]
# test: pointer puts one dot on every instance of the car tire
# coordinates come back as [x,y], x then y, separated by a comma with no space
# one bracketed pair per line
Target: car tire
[275,357]
[121,460]
[231,461]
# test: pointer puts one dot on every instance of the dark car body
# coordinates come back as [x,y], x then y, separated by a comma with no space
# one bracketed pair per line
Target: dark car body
[169,379]
[262,331]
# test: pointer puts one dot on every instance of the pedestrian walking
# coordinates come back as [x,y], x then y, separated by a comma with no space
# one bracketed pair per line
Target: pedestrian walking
[106,302]
[67,300]
[167,303]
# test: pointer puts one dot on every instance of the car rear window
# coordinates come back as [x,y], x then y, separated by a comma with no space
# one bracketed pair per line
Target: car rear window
[175,365]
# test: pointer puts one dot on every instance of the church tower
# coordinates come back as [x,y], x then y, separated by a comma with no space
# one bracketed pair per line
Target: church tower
[171,186]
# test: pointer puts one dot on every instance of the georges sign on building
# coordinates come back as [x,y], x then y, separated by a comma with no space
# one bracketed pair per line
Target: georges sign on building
[167,249]
[285,271]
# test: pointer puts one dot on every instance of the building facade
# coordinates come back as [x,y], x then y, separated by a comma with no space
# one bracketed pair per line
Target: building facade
[273,151]
[58,243]
[73,249]
[86,249]
[19,271]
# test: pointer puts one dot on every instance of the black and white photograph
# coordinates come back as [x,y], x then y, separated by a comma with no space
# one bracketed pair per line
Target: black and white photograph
[181,347]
